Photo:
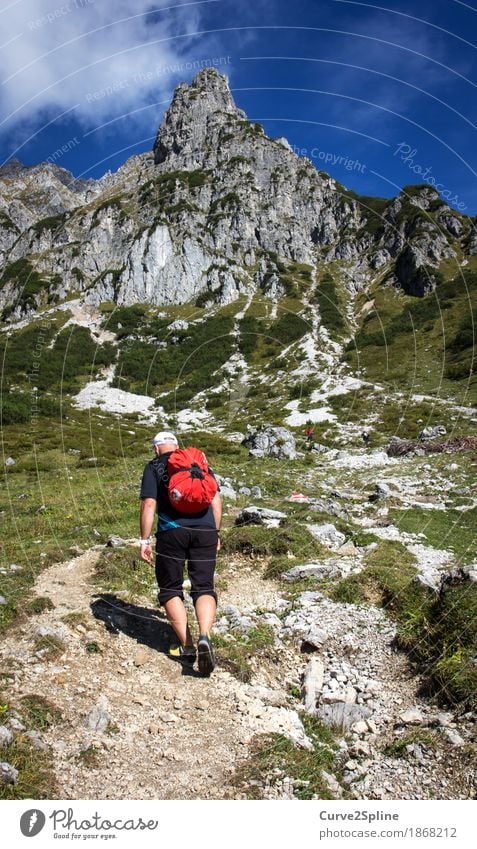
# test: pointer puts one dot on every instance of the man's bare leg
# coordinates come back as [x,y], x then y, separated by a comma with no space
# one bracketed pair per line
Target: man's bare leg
[205,609]
[177,616]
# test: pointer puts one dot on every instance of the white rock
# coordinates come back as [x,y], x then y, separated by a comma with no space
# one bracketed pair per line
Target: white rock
[413,716]
[8,774]
[453,736]
[360,727]
[327,534]
[6,737]
[312,683]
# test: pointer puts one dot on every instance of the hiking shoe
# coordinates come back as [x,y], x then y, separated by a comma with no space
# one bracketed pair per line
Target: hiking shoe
[206,654]
[185,654]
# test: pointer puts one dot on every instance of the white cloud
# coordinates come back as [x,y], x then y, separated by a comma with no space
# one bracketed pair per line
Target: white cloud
[103,58]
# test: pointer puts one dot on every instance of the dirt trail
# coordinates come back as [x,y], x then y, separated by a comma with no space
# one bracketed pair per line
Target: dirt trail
[178,735]
[137,725]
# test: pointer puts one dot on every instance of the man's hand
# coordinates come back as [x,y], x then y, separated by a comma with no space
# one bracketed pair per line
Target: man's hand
[148,509]
[146,553]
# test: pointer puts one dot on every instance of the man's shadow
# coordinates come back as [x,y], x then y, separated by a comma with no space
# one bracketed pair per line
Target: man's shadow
[145,625]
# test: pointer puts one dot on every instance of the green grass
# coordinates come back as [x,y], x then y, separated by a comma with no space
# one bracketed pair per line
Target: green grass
[37,712]
[451,650]
[51,647]
[438,631]
[121,570]
[235,654]
[397,748]
[421,342]
[454,530]
[275,543]
[36,778]
[39,605]
[84,503]
[274,757]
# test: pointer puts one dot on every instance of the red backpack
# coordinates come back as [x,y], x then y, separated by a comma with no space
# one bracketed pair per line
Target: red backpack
[189,483]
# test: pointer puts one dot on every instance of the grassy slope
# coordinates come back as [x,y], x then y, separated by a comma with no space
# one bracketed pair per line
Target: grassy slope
[419,344]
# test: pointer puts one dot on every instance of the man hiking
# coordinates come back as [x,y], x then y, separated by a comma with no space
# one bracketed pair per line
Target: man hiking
[309,432]
[182,535]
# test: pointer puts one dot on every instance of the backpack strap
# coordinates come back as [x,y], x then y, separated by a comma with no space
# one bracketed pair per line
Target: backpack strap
[159,467]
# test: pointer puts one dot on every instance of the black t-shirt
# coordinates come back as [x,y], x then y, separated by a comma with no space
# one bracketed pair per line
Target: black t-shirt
[169,517]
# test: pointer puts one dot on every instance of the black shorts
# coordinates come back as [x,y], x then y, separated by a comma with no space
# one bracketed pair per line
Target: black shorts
[196,545]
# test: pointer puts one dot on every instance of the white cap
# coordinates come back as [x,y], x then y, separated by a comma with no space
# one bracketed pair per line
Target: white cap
[164,436]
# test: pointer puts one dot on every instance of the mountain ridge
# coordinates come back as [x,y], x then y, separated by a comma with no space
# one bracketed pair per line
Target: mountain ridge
[215,210]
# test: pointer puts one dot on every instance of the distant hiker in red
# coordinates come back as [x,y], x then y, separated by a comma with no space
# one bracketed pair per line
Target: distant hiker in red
[182,488]
[309,434]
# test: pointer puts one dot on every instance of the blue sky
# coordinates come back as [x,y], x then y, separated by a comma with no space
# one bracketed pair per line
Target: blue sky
[378,96]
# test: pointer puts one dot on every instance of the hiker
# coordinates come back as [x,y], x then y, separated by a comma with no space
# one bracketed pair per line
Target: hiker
[365,437]
[309,433]
[183,533]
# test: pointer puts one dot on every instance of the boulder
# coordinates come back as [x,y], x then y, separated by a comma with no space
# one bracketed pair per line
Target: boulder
[313,639]
[115,541]
[270,441]
[327,534]
[342,714]
[253,515]
[320,571]
[428,433]
[227,491]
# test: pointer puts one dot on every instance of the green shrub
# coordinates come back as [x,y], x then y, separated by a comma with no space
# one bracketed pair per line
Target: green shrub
[249,330]
[29,281]
[15,408]
[130,318]
[326,298]
[53,222]
[39,605]
[289,328]
[185,368]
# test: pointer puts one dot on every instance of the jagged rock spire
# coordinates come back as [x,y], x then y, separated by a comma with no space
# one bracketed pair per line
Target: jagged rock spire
[198,111]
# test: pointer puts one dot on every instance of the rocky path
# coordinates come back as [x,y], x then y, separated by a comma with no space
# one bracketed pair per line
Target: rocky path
[135,724]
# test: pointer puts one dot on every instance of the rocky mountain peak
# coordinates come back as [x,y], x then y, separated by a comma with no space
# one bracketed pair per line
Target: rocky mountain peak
[198,112]
[421,195]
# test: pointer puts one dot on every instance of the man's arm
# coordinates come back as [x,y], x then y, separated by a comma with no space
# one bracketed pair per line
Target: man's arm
[216,505]
[146,521]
